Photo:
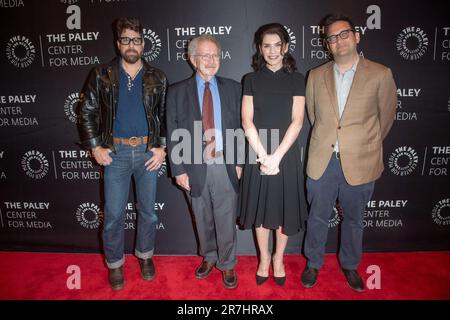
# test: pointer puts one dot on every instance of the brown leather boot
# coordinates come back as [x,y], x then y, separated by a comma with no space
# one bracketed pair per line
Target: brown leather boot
[147,269]
[116,280]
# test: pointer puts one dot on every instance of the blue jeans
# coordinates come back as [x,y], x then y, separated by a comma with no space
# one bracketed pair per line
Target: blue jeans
[129,161]
[322,195]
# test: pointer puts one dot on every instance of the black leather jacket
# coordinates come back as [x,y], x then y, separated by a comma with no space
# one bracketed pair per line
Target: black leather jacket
[98,105]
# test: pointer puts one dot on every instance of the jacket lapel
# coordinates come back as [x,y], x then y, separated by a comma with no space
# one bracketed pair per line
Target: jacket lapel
[331,88]
[113,74]
[193,99]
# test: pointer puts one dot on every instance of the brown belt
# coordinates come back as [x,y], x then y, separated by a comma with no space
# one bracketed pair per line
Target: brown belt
[133,141]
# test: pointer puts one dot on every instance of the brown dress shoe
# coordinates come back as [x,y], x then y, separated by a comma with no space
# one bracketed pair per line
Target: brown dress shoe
[229,278]
[147,269]
[116,278]
[204,270]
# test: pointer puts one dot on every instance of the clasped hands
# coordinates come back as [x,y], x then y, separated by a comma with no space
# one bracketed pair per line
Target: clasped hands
[269,164]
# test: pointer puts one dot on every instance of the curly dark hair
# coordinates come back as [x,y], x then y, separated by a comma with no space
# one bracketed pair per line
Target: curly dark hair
[258,61]
[122,23]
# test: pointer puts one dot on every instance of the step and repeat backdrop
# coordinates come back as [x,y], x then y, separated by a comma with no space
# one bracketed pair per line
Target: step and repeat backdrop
[51,189]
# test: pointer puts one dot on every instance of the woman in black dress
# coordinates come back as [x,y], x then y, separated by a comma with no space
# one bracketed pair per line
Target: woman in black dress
[272,190]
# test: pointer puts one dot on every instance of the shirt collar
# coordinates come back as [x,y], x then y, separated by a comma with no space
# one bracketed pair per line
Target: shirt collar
[353,68]
[278,72]
[201,82]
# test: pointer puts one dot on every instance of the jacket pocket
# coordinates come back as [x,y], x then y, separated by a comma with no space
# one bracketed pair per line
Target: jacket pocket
[152,89]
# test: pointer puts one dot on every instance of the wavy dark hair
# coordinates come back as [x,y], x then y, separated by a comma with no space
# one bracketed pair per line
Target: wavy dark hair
[122,23]
[258,61]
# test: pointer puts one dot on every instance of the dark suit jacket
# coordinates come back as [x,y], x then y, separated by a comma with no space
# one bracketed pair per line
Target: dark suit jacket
[182,109]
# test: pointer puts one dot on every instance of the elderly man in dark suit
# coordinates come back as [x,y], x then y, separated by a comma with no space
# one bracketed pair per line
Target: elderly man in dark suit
[207,168]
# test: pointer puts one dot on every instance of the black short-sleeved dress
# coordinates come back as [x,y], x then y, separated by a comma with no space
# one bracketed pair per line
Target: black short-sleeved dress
[278,200]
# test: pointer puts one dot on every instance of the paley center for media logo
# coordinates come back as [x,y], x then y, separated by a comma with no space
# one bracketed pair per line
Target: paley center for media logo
[153,45]
[292,39]
[336,217]
[441,212]
[20,51]
[70,106]
[35,164]
[403,161]
[412,43]
[89,215]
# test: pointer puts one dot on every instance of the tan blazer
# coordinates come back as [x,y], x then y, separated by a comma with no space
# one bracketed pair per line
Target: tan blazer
[367,119]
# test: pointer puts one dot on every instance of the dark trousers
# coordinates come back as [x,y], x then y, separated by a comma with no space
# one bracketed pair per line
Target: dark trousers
[322,195]
[215,218]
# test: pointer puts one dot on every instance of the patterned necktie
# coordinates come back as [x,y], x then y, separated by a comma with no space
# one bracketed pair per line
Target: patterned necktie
[208,122]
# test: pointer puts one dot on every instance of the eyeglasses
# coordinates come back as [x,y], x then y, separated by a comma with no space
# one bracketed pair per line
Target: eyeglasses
[207,57]
[126,40]
[343,35]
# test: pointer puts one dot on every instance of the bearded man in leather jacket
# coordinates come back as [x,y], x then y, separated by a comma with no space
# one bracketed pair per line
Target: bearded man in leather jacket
[122,123]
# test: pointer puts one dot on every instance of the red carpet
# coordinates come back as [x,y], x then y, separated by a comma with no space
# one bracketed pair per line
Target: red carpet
[414,275]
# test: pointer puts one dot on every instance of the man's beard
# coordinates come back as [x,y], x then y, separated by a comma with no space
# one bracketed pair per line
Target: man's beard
[131,58]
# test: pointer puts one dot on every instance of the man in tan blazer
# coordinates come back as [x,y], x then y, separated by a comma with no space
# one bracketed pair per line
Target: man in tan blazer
[351,103]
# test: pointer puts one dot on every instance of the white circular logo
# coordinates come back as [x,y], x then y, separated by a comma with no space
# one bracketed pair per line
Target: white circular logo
[20,51]
[403,161]
[70,106]
[441,212]
[89,215]
[153,45]
[412,43]
[336,217]
[292,39]
[35,164]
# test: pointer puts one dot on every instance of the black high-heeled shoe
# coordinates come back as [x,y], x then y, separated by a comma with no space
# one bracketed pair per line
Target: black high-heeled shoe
[260,280]
[279,280]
